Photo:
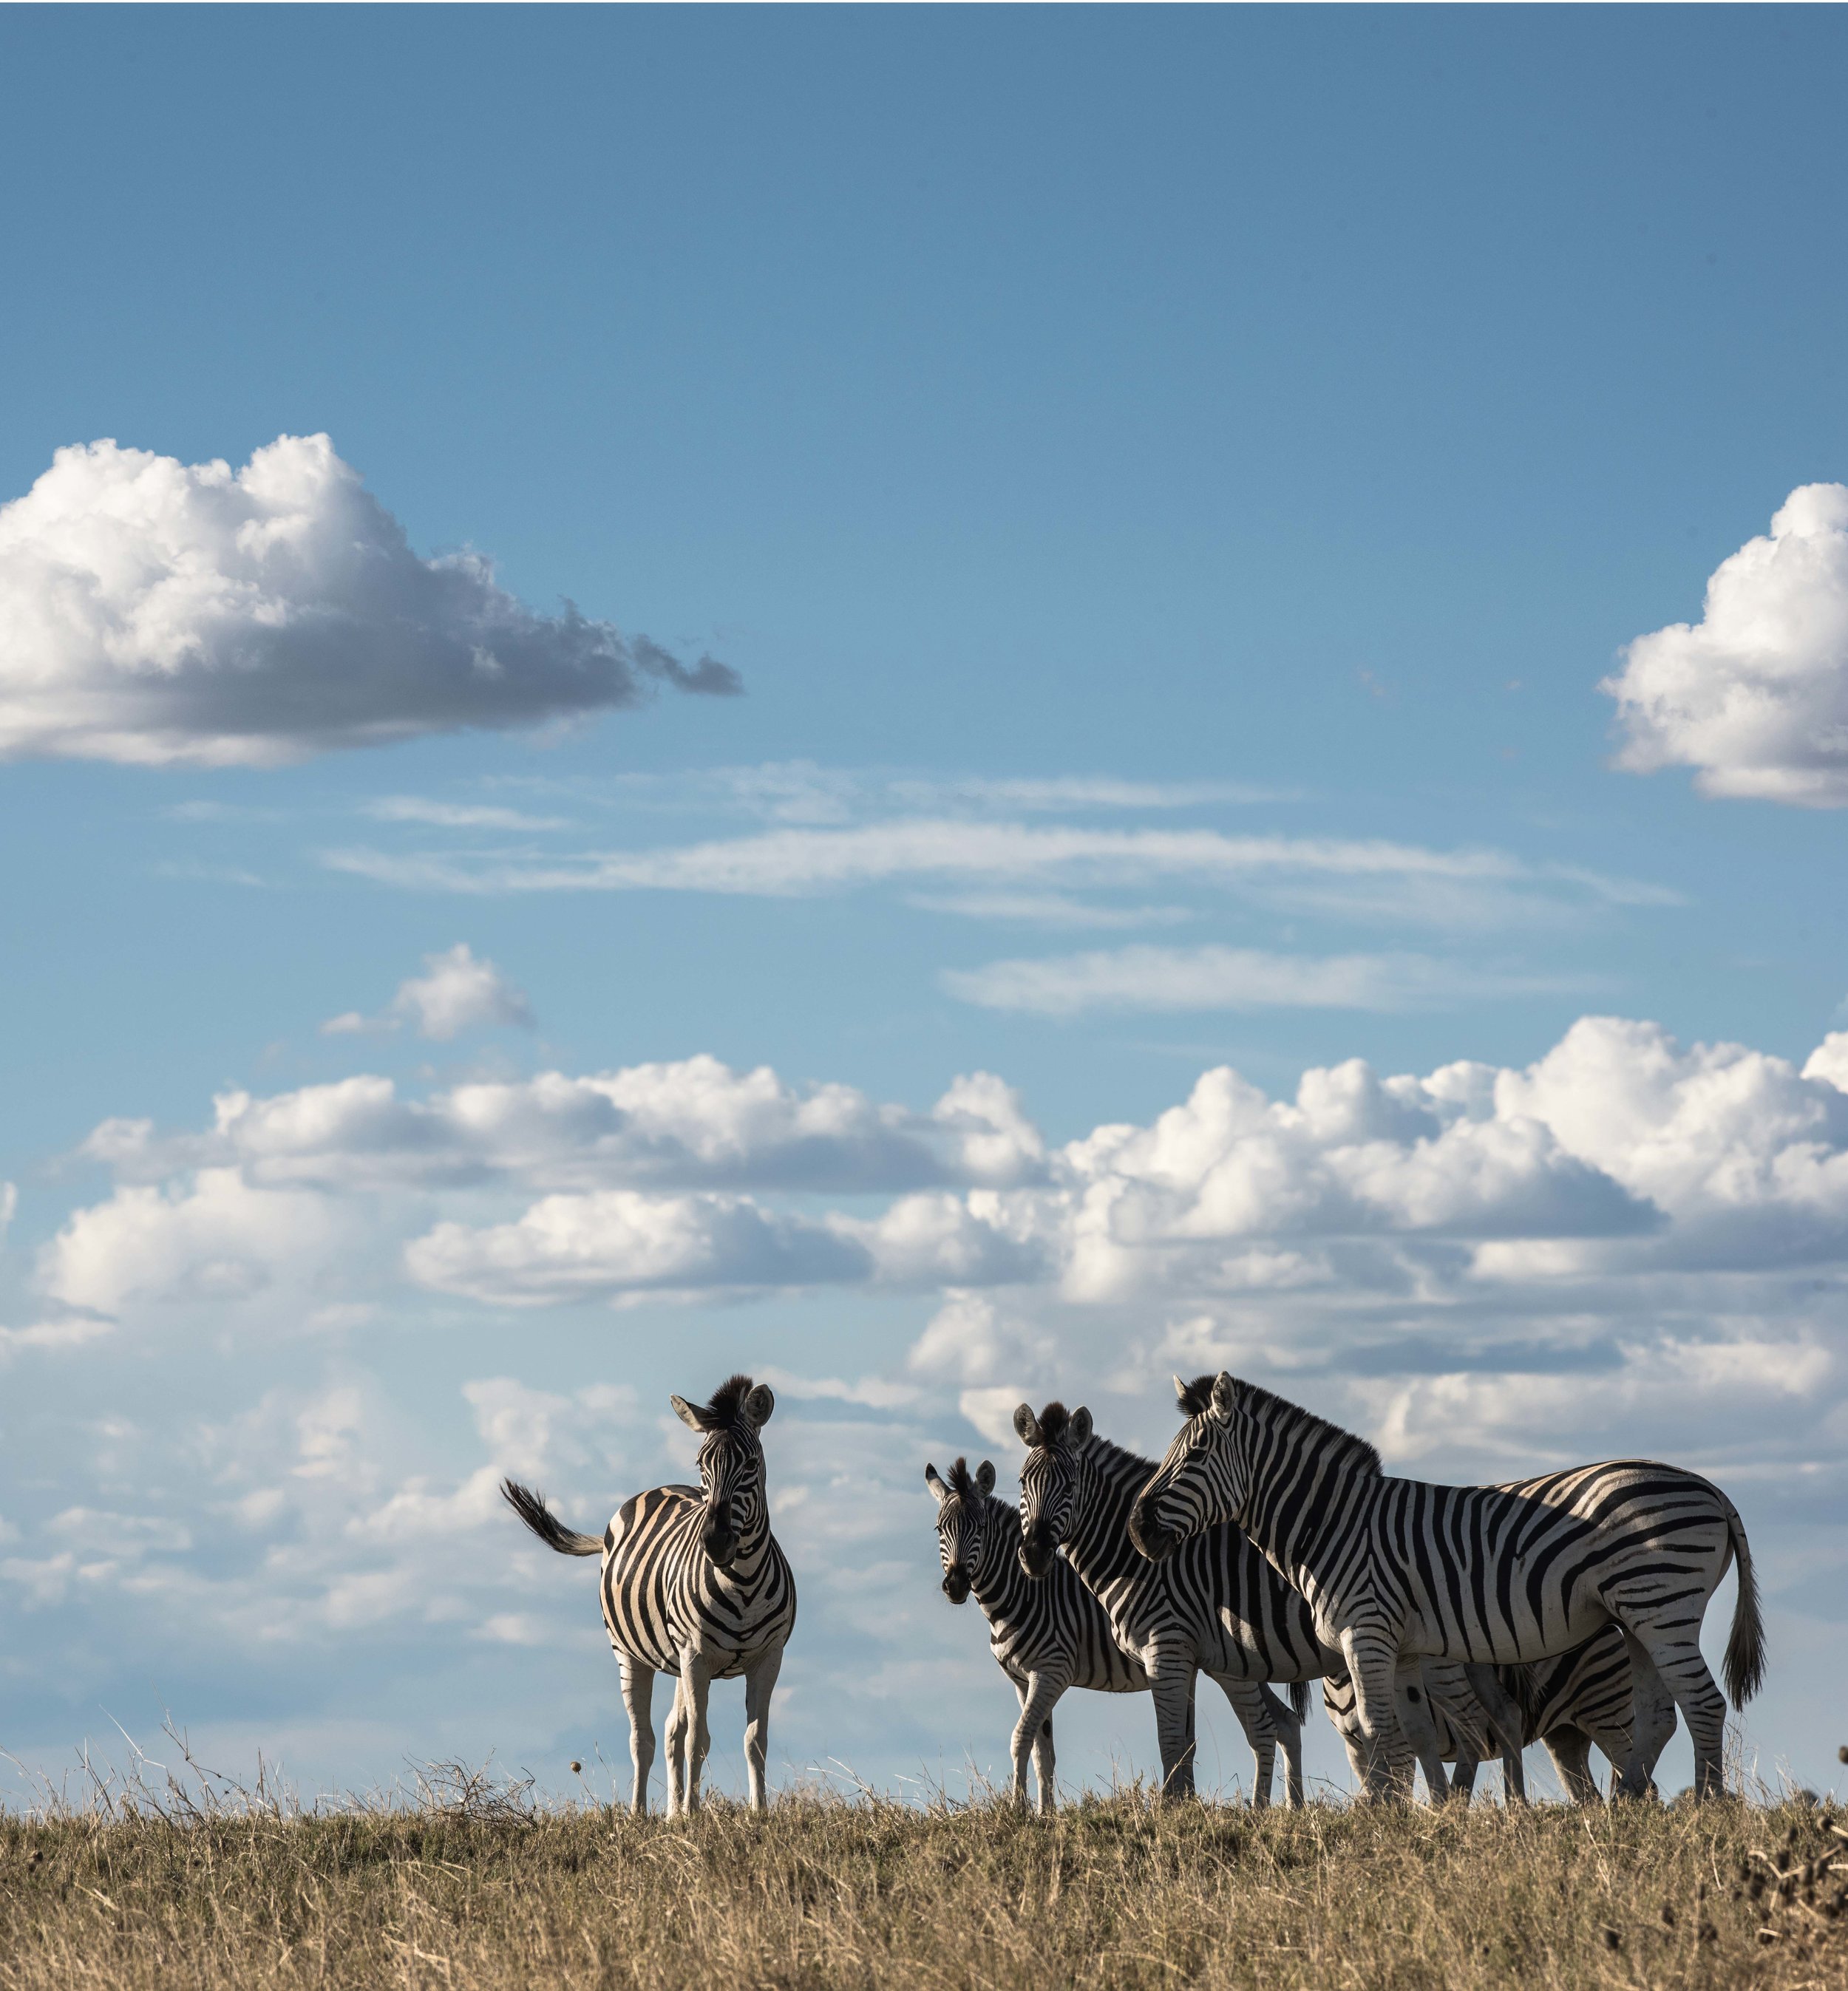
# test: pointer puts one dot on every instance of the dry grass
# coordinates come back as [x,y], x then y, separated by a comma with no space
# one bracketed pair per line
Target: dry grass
[473,1885]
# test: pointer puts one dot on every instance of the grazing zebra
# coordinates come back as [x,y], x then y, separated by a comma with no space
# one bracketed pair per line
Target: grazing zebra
[1463,1729]
[695,1585]
[1393,1568]
[1051,1635]
[1566,1704]
[1585,1696]
[1218,1609]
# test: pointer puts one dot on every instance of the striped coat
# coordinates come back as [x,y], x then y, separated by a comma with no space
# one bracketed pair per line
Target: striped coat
[1218,1608]
[695,1585]
[1395,1568]
[1045,1637]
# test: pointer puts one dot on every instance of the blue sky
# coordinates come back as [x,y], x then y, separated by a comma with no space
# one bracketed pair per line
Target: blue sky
[1171,486]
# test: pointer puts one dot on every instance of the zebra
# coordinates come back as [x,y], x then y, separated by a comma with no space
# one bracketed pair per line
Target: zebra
[1049,1636]
[694,1584]
[1224,1608]
[1566,1704]
[1525,1571]
[1219,1610]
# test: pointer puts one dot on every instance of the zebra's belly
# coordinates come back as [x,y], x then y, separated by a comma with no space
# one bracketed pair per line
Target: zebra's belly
[1503,1641]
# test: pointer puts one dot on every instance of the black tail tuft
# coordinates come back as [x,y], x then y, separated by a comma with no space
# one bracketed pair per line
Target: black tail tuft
[532,1509]
[1745,1648]
[1299,1699]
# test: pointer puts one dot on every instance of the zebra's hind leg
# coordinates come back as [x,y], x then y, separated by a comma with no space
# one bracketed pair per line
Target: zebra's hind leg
[638,1699]
[760,1684]
[1033,1737]
[1263,1718]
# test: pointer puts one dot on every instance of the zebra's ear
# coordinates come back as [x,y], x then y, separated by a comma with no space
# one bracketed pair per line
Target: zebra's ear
[984,1478]
[758,1405]
[1180,1389]
[686,1414]
[1225,1392]
[935,1484]
[1026,1425]
[1079,1428]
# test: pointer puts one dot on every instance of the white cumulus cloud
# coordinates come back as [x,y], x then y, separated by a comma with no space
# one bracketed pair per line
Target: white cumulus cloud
[1754,695]
[161,612]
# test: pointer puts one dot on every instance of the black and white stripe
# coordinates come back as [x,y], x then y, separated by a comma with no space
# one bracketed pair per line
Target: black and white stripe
[1396,1569]
[694,1585]
[1045,1637]
[1217,1608]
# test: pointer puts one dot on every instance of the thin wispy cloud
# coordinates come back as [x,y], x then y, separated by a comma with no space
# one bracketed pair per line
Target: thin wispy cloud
[792,862]
[1156,978]
[1047,908]
[458,815]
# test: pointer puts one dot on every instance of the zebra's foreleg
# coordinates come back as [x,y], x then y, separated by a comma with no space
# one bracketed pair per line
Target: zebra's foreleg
[637,1698]
[679,1719]
[760,1684]
[1033,1737]
[1508,1728]
[1570,1749]
[696,1683]
[1171,1678]
[1373,1662]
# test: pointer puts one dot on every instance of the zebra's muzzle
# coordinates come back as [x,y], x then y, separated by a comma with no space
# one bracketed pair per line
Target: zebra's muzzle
[956,1583]
[718,1538]
[1036,1552]
[1155,1541]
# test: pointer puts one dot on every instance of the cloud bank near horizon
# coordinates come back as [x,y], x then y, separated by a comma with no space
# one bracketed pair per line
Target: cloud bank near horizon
[161,613]
[1487,1268]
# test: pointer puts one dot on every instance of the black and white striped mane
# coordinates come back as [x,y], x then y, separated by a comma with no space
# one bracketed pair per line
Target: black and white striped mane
[961,1481]
[1264,1407]
[1052,1421]
[725,1412]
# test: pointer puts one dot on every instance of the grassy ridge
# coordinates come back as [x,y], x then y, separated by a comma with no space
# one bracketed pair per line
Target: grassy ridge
[823,1892]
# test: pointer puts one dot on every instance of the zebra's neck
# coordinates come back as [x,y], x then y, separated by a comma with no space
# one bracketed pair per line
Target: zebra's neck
[1100,1549]
[1304,1477]
[999,1582]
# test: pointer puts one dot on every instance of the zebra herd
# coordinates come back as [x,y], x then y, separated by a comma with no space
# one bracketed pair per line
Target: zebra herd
[1446,1624]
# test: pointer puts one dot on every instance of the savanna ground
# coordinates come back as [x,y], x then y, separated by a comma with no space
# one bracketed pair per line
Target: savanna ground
[470,1883]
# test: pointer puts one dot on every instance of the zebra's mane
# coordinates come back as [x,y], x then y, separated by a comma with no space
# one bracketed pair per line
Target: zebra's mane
[1052,1421]
[725,1411]
[1108,1454]
[1264,1404]
[1198,1396]
[960,1480]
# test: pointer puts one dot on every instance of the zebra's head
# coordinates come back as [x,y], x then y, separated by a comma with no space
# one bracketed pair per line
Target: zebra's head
[963,1523]
[1202,1480]
[731,1462]
[1052,1481]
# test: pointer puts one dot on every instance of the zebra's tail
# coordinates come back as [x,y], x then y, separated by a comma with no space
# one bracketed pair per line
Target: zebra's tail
[1745,1647]
[532,1509]
[1299,1700]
